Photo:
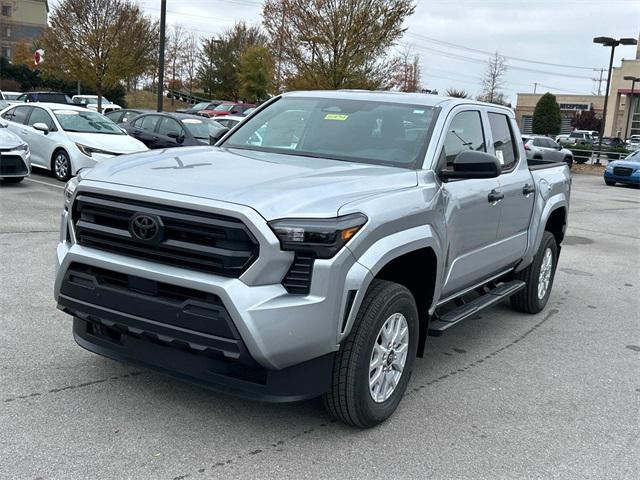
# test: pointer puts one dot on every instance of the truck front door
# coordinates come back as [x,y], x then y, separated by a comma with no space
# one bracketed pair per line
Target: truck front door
[472,219]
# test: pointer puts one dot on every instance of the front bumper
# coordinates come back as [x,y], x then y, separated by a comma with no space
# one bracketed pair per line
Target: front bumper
[15,163]
[271,330]
[633,179]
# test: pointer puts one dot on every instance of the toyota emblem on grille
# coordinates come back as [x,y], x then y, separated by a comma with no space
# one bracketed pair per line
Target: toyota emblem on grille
[145,228]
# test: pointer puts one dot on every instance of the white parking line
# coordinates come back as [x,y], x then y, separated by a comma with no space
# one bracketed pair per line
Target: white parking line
[44,183]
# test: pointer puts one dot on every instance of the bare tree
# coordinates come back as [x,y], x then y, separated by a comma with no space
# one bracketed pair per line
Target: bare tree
[175,44]
[407,73]
[191,60]
[493,79]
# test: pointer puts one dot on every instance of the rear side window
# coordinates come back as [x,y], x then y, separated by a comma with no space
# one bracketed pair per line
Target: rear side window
[146,123]
[18,114]
[503,141]
[464,133]
[128,116]
[114,116]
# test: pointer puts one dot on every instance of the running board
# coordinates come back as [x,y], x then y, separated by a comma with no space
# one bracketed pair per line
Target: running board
[441,323]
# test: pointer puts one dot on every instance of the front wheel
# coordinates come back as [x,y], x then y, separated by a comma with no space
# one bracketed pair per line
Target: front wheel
[61,164]
[610,183]
[372,369]
[538,277]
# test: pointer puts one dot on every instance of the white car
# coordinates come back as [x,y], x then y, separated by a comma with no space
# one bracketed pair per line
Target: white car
[633,142]
[66,138]
[91,102]
[229,121]
[11,97]
[15,158]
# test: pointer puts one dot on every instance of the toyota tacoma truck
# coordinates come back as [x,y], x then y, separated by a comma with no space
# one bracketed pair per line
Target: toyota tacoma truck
[313,248]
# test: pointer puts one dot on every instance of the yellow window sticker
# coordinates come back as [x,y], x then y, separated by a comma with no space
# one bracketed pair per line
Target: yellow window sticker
[336,116]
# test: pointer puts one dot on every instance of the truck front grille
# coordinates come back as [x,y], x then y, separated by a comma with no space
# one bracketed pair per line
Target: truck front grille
[622,171]
[188,238]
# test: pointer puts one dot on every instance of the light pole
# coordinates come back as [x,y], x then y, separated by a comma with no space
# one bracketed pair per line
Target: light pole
[612,43]
[163,28]
[629,103]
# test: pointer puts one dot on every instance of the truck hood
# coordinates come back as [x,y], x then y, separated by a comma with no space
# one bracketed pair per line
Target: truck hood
[276,186]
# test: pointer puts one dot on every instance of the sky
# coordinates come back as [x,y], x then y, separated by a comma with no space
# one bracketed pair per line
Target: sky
[545,41]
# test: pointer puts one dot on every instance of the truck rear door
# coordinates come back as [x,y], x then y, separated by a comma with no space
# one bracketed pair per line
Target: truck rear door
[516,184]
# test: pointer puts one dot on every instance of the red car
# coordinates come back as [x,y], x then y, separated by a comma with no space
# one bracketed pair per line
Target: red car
[227,108]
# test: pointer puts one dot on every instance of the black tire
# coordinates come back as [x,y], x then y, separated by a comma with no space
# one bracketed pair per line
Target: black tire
[527,299]
[12,179]
[62,171]
[610,183]
[349,399]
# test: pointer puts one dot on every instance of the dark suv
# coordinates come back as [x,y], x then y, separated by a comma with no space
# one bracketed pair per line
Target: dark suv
[50,97]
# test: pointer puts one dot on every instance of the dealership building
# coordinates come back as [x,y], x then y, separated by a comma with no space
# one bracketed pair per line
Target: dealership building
[21,21]
[623,106]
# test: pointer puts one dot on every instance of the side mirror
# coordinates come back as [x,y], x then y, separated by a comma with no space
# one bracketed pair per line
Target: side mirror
[472,164]
[41,127]
[176,136]
[214,137]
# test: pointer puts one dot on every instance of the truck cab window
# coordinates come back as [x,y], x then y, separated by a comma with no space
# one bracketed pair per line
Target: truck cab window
[503,141]
[464,133]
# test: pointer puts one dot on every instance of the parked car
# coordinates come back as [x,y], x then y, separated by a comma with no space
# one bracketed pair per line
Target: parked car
[626,171]
[540,147]
[227,108]
[633,142]
[564,138]
[3,104]
[91,102]
[49,97]
[580,137]
[198,107]
[316,261]
[66,138]
[229,121]
[9,96]
[15,157]
[165,130]
[613,142]
[125,115]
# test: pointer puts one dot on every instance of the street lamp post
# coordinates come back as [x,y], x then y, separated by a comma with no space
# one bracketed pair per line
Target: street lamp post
[163,17]
[629,103]
[613,43]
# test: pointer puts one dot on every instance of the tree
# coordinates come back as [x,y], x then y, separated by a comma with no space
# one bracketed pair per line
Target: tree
[190,60]
[255,74]
[407,72]
[586,120]
[453,92]
[174,52]
[335,44]
[99,42]
[220,60]
[493,80]
[546,116]
[23,54]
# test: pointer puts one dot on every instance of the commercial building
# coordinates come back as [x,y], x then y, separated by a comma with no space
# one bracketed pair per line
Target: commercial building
[570,105]
[20,21]
[623,110]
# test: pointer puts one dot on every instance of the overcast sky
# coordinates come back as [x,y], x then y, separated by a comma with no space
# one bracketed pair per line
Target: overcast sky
[450,37]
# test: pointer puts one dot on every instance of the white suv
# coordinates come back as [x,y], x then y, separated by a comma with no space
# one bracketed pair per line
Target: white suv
[91,102]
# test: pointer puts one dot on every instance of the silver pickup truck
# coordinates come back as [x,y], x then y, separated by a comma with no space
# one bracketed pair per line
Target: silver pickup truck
[313,249]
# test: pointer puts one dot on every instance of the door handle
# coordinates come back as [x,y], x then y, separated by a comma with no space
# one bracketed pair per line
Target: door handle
[528,190]
[495,196]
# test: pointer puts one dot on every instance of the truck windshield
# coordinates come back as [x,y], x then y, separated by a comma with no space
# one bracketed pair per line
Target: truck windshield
[372,132]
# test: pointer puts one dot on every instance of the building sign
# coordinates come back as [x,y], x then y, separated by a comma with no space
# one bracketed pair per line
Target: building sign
[575,106]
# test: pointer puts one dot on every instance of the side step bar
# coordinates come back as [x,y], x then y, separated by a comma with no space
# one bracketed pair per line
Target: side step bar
[441,323]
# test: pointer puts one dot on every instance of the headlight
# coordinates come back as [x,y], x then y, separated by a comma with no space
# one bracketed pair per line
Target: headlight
[609,168]
[323,237]
[69,190]
[88,151]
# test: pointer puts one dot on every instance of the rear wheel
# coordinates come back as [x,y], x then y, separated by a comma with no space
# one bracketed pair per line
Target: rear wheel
[538,277]
[61,165]
[372,369]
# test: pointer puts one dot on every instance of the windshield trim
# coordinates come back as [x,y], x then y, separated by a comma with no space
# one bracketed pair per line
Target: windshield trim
[416,164]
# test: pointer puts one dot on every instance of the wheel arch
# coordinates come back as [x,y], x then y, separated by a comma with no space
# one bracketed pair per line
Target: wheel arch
[55,152]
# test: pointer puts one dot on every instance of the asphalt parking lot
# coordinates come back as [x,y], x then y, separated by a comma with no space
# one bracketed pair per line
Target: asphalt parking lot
[505,395]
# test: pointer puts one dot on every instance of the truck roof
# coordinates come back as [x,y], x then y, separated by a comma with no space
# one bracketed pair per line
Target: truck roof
[426,99]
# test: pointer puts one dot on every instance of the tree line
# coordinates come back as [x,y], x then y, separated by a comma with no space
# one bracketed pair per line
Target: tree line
[301,44]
